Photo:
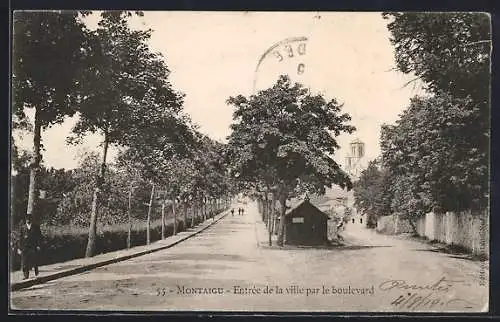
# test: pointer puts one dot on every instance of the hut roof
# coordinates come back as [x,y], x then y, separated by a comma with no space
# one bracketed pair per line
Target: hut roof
[333,197]
[297,204]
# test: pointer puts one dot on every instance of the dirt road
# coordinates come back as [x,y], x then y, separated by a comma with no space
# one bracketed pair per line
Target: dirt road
[223,269]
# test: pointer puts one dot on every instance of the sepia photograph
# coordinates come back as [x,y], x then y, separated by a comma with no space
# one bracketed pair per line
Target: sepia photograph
[250,161]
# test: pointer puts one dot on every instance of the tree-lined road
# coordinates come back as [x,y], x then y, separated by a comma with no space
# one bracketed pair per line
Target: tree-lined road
[226,259]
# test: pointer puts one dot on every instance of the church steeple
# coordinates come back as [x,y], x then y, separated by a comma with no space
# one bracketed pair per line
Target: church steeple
[356,152]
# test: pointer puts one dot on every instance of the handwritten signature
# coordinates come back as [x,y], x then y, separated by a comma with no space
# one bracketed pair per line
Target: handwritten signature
[442,285]
[426,296]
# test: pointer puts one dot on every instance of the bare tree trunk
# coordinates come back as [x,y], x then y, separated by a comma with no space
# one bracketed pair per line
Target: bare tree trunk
[34,169]
[129,210]
[185,214]
[273,213]
[281,228]
[90,251]
[265,216]
[148,222]
[214,208]
[163,219]
[193,213]
[204,208]
[209,208]
[260,208]
[175,217]
[269,222]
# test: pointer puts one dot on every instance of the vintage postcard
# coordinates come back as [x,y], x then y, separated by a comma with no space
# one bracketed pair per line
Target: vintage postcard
[250,161]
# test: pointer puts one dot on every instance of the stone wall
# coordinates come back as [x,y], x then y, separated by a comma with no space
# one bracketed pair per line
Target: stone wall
[465,229]
[393,224]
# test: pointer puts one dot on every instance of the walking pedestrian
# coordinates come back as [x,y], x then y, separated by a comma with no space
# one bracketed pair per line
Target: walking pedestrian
[30,238]
[242,210]
[232,212]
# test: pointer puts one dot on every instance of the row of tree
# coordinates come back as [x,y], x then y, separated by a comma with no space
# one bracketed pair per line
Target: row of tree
[119,88]
[436,156]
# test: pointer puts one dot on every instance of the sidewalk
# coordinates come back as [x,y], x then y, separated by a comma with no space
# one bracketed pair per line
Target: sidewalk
[77,266]
[261,232]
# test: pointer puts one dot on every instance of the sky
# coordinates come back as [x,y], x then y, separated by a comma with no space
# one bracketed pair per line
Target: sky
[215,55]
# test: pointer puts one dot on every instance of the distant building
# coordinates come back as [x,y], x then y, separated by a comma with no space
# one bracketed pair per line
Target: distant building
[355,161]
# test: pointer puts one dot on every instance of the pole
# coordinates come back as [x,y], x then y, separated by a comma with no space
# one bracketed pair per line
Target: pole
[148,229]
[163,219]
[129,210]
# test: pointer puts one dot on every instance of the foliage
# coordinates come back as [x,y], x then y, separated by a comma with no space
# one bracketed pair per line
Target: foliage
[437,153]
[57,39]
[192,176]
[75,206]
[43,42]
[128,98]
[449,51]
[54,182]
[284,135]
[347,213]
[435,143]
[372,192]
[213,179]
[124,73]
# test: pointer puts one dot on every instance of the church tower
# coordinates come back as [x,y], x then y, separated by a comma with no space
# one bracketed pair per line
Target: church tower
[354,159]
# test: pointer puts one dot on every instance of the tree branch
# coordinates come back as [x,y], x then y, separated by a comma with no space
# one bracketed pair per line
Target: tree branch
[410,81]
[477,42]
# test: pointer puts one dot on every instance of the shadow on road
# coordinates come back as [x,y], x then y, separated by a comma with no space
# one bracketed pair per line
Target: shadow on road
[207,256]
[333,247]
[454,253]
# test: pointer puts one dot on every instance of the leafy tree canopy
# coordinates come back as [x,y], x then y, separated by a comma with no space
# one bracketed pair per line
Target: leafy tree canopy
[43,42]
[436,144]
[372,192]
[449,51]
[284,135]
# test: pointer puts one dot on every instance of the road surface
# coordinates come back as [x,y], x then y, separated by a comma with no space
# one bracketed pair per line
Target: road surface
[225,269]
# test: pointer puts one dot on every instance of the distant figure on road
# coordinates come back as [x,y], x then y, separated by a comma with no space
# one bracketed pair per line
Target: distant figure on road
[30,238]
[242,210]
[232,212]
[353,220]
[239,211]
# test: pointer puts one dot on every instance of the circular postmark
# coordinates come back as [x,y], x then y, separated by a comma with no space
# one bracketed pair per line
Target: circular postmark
[286,57]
